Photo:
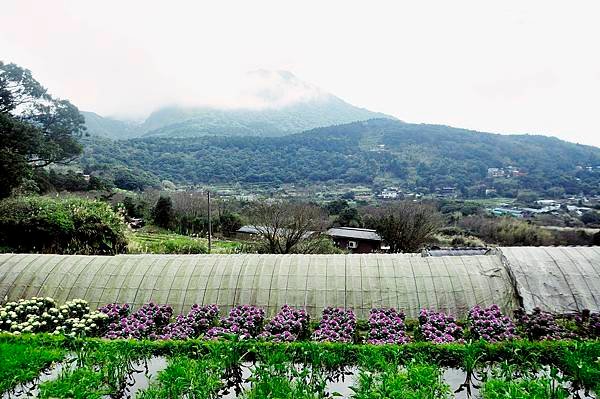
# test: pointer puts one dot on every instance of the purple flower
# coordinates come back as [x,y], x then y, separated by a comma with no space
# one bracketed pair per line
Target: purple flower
[438,327]
[245,321]
[386,326]
[337,325]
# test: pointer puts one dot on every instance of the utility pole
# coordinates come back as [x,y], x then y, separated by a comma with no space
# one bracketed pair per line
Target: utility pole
[209,225]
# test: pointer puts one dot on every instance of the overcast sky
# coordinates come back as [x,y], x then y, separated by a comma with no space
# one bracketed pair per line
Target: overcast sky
[512,67]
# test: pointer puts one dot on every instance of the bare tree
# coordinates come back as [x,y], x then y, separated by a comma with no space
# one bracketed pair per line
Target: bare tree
[284,226]
[406,226]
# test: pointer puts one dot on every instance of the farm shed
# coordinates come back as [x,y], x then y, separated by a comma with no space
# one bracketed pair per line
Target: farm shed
[407,282]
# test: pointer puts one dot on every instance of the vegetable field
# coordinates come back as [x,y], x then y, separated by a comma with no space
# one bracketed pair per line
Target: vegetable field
[71,351]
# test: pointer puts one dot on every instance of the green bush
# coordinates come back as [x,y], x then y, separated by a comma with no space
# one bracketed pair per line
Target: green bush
[61,226]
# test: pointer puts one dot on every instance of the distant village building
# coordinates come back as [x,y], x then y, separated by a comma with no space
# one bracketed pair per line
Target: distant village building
[356,240]
[511,171]
[389,193]
[447,192]
[507,212]
[495,172]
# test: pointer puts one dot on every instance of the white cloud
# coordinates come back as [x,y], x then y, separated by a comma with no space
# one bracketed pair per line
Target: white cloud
[510,66]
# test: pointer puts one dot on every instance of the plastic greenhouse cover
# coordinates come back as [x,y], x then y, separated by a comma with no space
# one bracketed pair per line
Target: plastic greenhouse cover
[556,279]
[361,282]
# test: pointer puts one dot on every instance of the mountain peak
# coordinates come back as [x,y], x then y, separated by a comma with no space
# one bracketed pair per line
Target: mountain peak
[274,89]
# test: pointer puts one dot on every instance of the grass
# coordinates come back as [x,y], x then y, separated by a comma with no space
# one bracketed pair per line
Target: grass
[20,363]
[158,241]
[185,377]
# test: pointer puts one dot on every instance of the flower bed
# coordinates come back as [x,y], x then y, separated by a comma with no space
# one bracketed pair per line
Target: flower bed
[147,322]
[386,326]
[245,321]
[490,324]
[439,328]
[37,315]
[337,325]
[540,325]
[195,323]
[288,325]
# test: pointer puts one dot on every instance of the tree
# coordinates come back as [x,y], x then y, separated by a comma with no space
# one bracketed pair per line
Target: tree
[163,214]
[230,222]
[283,227]
[591,217]
[406,226]
[36,130]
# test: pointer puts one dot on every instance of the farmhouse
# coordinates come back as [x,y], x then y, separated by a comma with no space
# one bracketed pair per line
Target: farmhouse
[356,240]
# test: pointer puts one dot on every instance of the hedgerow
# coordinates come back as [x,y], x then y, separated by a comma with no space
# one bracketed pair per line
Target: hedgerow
[60,226]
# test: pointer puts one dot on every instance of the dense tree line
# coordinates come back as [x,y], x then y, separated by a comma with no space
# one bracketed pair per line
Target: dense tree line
[421,157]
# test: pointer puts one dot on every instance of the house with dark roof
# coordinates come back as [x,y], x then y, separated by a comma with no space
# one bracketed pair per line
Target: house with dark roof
[356,240]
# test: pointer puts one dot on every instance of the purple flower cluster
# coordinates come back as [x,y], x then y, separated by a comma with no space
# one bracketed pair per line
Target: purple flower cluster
[288,325]
[115,311]
[438,327]
[386,326]
[146,322]
[594,325]
[337,325]
[195,323]
[245,321]
[490,324]
[540,325]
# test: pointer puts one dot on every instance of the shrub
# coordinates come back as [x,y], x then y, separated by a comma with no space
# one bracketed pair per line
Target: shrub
[438,327]
[540,325]
[245,321]
[38,315]
[163,214]
[196,322]
[63,226]
[147,322]
[490,324]
[337,325]
[115,311]
[288,325]
[386,326]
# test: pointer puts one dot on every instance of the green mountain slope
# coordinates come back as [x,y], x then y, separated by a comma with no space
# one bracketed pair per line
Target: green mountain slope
[107,127]
[278,104]
[418,157]
[190,122]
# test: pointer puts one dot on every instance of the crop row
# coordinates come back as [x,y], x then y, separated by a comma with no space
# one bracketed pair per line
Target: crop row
[209,369]
[384,326]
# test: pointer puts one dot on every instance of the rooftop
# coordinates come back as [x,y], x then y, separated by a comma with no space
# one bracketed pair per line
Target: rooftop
[354,232]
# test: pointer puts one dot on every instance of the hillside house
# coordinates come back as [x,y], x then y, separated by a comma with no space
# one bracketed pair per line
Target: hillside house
[356,240]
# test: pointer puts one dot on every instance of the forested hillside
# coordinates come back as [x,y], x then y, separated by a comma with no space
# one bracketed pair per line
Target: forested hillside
[419,157]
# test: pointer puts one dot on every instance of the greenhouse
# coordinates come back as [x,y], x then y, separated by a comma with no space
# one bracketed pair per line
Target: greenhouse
[511,323]
[554,279]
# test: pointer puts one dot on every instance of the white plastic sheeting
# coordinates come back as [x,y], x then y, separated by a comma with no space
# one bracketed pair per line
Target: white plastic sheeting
[361,282]
[556,279]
